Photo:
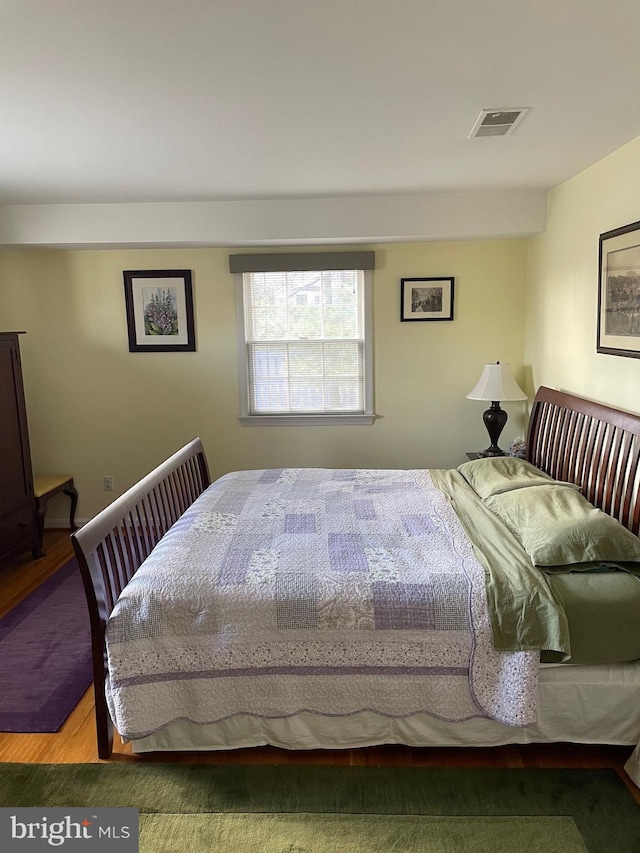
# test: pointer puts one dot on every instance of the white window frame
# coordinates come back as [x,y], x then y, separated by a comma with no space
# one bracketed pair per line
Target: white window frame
[316,418]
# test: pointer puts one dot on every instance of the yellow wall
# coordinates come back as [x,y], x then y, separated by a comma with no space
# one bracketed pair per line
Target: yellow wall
[96,409]
[562,292]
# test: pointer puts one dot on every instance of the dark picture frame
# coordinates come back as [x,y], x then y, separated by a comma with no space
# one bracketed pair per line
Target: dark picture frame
[159,307]
[619,292]
[426,298]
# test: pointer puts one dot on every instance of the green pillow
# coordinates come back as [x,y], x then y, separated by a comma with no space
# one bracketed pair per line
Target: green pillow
[557,526]
[494,475]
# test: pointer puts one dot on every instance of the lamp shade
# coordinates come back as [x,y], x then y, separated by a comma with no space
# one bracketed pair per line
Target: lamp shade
[496,383]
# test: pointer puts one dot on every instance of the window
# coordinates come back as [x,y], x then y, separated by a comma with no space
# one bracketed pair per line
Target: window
[305,331]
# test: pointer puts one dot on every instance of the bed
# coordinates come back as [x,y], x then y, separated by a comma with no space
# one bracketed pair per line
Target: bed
[316,608]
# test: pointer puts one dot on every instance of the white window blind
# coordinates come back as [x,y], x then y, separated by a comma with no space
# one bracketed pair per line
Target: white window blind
[306,348]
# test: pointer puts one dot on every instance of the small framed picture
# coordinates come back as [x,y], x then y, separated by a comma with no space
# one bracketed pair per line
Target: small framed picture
[426,298]
[159,307]
[619,292]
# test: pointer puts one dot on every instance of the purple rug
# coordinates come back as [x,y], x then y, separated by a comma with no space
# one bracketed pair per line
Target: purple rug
[45,655]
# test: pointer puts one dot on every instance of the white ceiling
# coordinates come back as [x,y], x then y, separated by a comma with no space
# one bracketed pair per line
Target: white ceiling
[209,100]
[253,101]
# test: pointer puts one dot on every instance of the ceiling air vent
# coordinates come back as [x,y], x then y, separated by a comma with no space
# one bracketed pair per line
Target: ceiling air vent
[498,122]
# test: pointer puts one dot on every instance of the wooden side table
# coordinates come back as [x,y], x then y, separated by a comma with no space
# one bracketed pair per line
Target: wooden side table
[45,488]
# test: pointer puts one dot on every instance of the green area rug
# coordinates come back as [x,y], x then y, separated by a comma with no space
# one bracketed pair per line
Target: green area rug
[308,809]
[349,833]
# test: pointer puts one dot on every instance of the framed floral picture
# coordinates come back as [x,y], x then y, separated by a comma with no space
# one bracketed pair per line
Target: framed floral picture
[619,292]
[426,298]
[159,307]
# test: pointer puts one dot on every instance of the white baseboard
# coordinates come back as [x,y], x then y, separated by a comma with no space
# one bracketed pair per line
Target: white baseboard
[61,523]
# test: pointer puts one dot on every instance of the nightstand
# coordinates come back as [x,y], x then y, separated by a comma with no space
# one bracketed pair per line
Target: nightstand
[474,454]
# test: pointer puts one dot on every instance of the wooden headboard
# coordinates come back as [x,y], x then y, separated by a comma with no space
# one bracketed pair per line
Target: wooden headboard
[591,445]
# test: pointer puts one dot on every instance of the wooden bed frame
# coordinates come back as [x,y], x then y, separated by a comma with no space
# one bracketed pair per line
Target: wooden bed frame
[572,439]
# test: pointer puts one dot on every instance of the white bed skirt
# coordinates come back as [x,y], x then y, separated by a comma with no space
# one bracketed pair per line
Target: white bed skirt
[577,704]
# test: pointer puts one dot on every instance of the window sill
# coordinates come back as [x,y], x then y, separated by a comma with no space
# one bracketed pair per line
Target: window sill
[306,420]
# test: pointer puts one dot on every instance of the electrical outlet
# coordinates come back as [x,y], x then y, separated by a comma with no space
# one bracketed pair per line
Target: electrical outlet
[107,484]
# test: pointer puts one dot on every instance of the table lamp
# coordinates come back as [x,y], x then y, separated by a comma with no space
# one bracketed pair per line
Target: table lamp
[498,385]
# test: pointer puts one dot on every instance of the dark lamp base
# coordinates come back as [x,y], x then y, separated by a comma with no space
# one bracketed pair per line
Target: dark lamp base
[489,452]
[494,419]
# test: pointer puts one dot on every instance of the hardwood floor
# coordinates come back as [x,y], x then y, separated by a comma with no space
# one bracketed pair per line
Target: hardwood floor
[75,742]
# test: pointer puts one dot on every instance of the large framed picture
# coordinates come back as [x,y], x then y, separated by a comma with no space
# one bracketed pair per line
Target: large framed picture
[426,298]
[159,307]
[619,292]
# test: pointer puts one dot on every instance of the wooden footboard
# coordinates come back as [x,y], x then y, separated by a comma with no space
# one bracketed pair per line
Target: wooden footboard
[112,546]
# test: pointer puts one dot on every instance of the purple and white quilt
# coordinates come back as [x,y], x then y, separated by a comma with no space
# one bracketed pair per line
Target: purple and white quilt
[317,590]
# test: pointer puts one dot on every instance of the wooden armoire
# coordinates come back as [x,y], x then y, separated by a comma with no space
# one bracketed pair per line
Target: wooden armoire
[18,531]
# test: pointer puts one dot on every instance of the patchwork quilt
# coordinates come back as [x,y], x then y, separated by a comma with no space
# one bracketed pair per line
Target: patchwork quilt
[317,590]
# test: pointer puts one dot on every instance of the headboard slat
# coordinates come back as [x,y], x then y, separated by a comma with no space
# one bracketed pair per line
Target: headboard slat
[627,494]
